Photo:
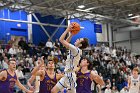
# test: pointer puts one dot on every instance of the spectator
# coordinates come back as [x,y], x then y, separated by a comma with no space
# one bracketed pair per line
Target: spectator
[20,75]
[5,63]
[108,90]
[56,44]
[49,44]
[113,83]
[12,50]
[114,90]
[1,50]
[23,44]
[124,90]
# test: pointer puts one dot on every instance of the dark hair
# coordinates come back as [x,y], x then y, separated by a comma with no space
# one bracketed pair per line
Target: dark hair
[90,66]
[84,43]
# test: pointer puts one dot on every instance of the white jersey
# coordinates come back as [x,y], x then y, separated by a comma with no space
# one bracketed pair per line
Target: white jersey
[73,58]
[135,84]
[69,79]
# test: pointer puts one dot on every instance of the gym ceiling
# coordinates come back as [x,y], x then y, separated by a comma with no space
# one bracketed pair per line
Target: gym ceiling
[106,11]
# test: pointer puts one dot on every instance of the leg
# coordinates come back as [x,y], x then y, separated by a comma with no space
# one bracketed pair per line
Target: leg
[59,86]
[55,89]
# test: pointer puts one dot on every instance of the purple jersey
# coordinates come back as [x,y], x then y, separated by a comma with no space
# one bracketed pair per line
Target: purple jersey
[7,86]
[83,82]
[47,84]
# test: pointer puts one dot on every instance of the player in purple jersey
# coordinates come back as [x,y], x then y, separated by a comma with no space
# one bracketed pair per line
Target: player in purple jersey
[8,79]
[48,77]
[85,76]
[33,82]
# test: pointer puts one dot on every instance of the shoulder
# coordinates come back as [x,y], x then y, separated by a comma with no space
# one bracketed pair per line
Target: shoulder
[3,75]
[77,69]
[93,75]
[71,46]
[4,72]
[93,72]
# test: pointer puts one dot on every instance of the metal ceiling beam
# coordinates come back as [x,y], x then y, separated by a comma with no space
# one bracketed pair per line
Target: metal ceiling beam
[97,15]
[7,5]
[34,5]
[133,4]
[35,23]
[100,6]
[57,29]
[41,25]
[121,1]
[72,1]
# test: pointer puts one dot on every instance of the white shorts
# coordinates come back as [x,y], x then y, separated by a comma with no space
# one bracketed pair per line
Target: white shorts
[68,82]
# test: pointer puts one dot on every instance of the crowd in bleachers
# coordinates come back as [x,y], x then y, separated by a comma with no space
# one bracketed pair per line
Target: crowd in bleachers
[114,65]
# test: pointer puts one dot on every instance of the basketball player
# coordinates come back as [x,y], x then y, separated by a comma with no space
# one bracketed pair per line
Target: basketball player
[134,82]
[48,77]
[85,76]
[69,79]
[8,79]
[35,78]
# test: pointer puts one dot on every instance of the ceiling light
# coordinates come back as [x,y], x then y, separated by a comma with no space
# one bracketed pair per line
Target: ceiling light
[137,16]
[130,14]
[81,6]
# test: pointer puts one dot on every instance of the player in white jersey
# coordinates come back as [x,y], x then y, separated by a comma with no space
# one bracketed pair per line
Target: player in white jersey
[134,82]
[69,79]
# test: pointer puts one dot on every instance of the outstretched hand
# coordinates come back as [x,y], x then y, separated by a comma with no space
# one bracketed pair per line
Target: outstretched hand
[42,60]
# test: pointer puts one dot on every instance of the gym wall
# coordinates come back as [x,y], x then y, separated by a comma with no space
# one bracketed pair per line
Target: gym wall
[8,29]
[38,33]
[87,31]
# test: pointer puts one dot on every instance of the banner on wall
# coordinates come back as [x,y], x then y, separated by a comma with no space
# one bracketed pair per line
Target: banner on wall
[97,28]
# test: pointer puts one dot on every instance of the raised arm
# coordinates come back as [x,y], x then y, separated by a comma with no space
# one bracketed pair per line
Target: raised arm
[69,37]
[62,37]
[96,78]
[36,69]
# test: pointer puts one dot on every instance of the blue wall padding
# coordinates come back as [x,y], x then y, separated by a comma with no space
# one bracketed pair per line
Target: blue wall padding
[87,32]
[38,33]
[5,26]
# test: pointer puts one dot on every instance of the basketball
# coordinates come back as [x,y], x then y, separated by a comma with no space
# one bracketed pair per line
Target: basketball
[75,28]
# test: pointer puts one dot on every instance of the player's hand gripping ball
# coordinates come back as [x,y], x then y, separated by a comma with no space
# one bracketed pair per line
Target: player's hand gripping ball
[75,28]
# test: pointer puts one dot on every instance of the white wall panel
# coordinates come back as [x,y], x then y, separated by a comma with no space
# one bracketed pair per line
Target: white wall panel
[122,36]
[136,46]
[123,44]
[102,37]
[135,34]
